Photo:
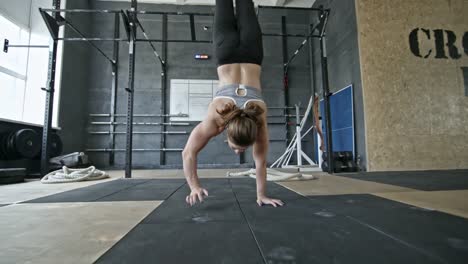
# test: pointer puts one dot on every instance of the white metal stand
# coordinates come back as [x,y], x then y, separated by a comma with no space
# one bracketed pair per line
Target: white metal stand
[296,145]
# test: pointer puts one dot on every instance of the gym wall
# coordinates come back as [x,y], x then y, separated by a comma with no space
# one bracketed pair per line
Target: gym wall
[343,62]
[74,97]
[182,65]
[416,108]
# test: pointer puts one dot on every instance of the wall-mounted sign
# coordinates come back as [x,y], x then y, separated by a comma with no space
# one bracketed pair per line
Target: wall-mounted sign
[437,43]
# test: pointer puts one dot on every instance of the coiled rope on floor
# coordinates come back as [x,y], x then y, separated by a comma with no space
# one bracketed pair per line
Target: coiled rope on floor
[66,174]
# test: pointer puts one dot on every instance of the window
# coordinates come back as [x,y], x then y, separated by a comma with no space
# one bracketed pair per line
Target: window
[13,66]
[191,97]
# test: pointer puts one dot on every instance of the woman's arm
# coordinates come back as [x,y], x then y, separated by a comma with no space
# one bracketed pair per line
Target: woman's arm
[198,139]
[260,152]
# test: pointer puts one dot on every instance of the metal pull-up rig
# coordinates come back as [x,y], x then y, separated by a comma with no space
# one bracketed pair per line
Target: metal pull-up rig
[54,20]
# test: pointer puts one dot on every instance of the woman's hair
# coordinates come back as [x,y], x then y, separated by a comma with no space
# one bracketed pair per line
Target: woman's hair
[241,124]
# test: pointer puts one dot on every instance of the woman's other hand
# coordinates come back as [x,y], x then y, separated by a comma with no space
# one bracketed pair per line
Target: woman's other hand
[196,193]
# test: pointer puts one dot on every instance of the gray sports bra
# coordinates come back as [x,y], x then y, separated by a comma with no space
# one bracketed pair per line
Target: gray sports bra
[240,94]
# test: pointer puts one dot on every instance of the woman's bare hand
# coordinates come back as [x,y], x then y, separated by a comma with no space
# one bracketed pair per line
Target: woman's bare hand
[196,193]
[265,200]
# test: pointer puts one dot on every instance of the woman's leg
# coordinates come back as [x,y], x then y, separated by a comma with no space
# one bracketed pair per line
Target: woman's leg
[249,31]
[225,34]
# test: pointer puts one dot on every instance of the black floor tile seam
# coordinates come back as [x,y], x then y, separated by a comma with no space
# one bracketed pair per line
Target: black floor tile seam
[181,243]
[80,188]
[303,195]
[107,195]
[178,188]
[398,240]
[141,222]
[249,225]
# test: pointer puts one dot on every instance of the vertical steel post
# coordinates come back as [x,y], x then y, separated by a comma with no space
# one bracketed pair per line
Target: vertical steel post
[285,75]
[130,90]
[326,96]
[115,84]
[312,84]
[298,137]
[49,103]
[162,155]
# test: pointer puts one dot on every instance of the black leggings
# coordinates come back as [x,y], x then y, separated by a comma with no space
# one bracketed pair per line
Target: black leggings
[237,40]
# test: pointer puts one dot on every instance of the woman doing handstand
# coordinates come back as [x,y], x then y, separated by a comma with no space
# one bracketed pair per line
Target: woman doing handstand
[238,106]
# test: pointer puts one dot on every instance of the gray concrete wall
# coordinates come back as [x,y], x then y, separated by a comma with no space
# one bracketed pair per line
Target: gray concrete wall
[343,61]
[72,109]
[181,65]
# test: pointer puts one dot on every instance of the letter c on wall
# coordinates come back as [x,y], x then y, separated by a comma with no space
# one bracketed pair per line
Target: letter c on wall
[414,42]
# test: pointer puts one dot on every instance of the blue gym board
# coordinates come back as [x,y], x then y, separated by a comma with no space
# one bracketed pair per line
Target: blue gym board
[342,120]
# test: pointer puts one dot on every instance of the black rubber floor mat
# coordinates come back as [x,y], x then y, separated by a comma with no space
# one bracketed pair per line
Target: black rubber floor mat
[212,242]
[151,190]
[330,239]
[325,229]
[442,236]
[217,189]
[246,190]
[211,210]
[117,190]
[419,180]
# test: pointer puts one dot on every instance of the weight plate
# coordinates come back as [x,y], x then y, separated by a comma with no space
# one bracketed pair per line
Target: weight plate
[11,152]
[56,145]
[338,166]
[348,155]
[324,156]
[3,150]
[27,143]
[324,166]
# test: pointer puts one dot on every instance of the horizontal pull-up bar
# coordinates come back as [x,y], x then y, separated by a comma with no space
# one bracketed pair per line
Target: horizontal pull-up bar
[7,45]
[174,40]
[284,35]
[138,115]
[293,8]
[170,13]
[91,39]
[79,10]
[134,150]
[139,133]
[141,123]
